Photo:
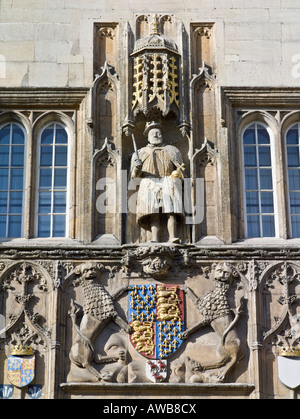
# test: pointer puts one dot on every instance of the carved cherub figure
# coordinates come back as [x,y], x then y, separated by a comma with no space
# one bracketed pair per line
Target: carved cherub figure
[98,310]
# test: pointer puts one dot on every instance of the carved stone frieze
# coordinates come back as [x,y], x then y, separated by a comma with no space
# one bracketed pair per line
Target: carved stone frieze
[97,320]
[25,286]
[201,339]
[283,282]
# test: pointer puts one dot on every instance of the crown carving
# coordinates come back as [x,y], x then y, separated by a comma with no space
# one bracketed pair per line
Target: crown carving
[289,351]
[20,350]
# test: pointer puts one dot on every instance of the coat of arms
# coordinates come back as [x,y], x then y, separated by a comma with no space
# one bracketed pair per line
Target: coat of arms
[156,315]
[289,366]
[21,366]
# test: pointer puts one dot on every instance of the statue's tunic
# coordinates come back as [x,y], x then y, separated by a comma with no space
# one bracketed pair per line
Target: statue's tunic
[158,191]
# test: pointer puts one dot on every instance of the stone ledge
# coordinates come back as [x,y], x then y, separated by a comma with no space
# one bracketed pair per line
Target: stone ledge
[163,390]
[42,98]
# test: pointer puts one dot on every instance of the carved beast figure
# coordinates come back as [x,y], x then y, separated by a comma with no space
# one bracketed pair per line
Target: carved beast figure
[98,311]
[215,311]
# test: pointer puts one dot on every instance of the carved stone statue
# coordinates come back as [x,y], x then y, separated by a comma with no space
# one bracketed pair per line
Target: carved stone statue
[216,312]
[98,311]
[160,168]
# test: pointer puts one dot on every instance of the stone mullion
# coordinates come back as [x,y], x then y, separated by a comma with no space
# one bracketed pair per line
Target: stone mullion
[29,192]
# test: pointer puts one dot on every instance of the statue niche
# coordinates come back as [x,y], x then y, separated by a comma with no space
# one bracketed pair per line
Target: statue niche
[205,167]
[106,209]
[159,167]
[106,159]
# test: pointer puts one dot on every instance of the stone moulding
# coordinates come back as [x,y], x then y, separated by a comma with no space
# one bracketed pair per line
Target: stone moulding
[257,98]
[164,389]
[39,98]
[81,252]
[241,96]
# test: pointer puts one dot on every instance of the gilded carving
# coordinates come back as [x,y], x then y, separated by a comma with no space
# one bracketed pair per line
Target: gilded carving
[156,314]
[156,73]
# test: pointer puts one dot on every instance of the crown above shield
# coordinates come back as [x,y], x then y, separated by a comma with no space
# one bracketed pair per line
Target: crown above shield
[289,351]
[20,350]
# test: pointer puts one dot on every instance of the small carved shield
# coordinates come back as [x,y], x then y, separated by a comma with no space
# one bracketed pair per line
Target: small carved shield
[21,370]
[289,371]
[156,371]
[156,315]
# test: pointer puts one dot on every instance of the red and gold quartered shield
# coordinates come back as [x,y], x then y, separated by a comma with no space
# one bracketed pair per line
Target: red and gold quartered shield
[156,315]
[21,370]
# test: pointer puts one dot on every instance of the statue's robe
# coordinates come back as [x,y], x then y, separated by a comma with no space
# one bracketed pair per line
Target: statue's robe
[158,191]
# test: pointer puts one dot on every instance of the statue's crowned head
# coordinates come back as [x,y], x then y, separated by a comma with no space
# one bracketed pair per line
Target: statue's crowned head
[153,131]
[152,125]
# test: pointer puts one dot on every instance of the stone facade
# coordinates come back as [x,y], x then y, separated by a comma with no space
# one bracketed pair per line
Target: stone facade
[107,311]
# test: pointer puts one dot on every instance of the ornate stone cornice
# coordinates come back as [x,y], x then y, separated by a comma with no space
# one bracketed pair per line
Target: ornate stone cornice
[80,251]
[42,98]
[284,97]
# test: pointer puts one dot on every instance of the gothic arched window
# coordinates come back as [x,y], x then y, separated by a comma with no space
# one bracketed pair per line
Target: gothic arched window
[12,169]
[52,182]
[293,174]
[259,182]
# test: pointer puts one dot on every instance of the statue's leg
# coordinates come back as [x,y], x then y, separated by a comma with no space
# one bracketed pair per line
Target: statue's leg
[155,227]
[172,224]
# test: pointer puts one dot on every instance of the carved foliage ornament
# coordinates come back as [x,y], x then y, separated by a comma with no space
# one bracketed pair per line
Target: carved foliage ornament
[24,326]
[106,32]
[285,333]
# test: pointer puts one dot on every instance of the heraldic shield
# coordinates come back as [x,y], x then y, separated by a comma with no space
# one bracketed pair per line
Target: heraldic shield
[156,315]
[289,371]
[21,370]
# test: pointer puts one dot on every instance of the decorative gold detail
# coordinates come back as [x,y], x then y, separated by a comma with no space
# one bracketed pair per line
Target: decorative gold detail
[143,337]
[168,304]
[173,85]
[289,351]
[138,85]
[20,350]
[156,73]
[178,172]
[156,79]
[139,305]
[168,343]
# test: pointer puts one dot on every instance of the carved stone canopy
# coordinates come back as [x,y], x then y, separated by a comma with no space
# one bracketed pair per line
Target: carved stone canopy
[156,73]
[155,41]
